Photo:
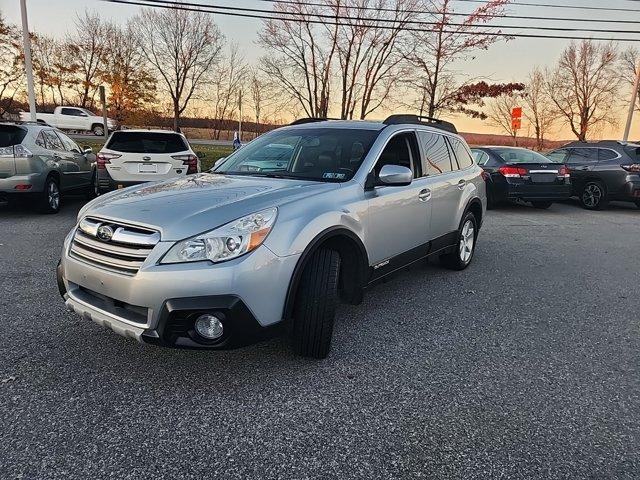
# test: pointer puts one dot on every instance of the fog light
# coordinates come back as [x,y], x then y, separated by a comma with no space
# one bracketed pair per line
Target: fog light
[209,326]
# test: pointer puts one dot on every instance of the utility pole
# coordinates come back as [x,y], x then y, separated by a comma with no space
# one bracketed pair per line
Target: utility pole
[240,115]
[103,101]
[26,43]
[632,107]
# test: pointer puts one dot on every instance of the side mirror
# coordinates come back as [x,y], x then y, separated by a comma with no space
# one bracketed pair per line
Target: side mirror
[87,150]
[395,175]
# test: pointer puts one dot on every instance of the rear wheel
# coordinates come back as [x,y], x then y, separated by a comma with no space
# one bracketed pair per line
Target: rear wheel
[315,305]
[461,256]
[98,130]
[593,196]
[92,191]
[50,197]
[638,203]
[541,205]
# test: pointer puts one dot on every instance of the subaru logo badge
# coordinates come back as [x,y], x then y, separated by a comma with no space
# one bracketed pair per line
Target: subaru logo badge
[105,232]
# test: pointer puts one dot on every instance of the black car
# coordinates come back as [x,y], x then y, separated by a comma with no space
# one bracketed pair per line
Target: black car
[513,173]
[602,171]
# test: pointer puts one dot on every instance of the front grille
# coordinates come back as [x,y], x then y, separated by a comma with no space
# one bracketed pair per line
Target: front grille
[125,252]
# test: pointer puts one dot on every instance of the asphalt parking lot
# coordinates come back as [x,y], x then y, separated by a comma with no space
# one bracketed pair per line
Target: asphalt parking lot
[523,366]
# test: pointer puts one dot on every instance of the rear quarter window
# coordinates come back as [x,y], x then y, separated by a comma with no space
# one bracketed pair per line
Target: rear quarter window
[465,159]
[146,142]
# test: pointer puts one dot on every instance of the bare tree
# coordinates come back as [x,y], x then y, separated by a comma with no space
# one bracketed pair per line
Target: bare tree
[630,61]
[11,68]
[540,111]
[434,50]
[584,86]
[227,83]
[368,46]
[499,114]
[86,50]
[184,47]
[126,72]
[300,56]
[257,98]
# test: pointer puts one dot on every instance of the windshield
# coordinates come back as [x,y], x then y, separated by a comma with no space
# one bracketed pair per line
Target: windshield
[322,154]
[146,142]
[521,155]
[11,135]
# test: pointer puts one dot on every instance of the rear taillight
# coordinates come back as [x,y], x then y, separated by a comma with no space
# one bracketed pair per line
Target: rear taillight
[103,158]
[633,167]
[564,172]
[15,151]
[190,161]
[513,172]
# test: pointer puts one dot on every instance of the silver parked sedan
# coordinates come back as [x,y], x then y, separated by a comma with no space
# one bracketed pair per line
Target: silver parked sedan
[39,162]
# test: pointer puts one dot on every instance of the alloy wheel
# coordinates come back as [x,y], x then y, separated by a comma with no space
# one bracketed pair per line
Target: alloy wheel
[53,196]
[467,240]
[592,195]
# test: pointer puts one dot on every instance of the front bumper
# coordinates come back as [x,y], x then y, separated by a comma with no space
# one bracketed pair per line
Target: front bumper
[158,304]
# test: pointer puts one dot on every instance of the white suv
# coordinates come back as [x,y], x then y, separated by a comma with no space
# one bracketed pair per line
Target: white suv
[136,156]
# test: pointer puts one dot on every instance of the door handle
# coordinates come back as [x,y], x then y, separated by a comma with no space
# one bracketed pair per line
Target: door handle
[462,184]
[424,195]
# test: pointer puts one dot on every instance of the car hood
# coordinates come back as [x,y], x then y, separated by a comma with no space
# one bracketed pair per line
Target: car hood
[188,206]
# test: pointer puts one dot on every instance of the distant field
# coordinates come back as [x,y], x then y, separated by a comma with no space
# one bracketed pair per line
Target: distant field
[211,152]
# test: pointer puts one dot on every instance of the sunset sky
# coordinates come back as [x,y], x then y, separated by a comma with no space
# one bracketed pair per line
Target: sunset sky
[503,62]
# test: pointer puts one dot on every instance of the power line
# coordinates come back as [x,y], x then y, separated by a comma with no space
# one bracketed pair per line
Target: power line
[376,21]
[458,14]
[555,5]
[212,9]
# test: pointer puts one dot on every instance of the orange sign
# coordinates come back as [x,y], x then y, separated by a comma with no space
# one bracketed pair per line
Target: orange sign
[516,124]
[516,112]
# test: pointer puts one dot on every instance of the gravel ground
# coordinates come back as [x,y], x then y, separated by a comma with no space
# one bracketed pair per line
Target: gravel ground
[523,366]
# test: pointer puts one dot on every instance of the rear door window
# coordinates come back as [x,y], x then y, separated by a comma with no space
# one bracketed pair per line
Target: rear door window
[461,153]
[436,153]
[146,142]
[633,150]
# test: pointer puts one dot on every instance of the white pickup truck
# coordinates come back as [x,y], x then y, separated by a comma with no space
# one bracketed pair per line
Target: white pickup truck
[73,118]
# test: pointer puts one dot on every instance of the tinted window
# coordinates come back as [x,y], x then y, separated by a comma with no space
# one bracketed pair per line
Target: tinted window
[633,150]
[325,154]
[606,154]
[52,140]
[11,135]
[436,153]
[581,156]
[73,111]
[520,155]
[146,142]
[69,144]
[480,156]
[462,154]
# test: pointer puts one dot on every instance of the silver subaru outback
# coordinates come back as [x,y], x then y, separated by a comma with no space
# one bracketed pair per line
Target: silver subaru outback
[284,228]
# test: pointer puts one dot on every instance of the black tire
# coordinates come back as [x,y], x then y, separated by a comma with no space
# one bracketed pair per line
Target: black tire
[593,195]
[315,305]
[638,203]
[49,201]
[92,191]
[98,130]
[541,205]
[460,258]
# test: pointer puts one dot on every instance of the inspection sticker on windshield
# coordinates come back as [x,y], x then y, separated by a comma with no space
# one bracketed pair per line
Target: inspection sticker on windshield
[334,175]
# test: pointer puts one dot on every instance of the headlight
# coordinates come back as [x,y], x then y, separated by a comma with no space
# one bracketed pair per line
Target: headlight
[225,243]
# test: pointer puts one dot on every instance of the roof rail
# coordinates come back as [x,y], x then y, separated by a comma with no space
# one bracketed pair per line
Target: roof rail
[421,120]
[302,121]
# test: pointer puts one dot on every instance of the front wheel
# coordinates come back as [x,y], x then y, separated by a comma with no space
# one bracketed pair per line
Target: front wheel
[461,256]
[315,305]
[541,205]
[593,196]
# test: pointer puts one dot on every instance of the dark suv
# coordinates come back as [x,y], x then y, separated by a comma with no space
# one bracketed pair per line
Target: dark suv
[602,171]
